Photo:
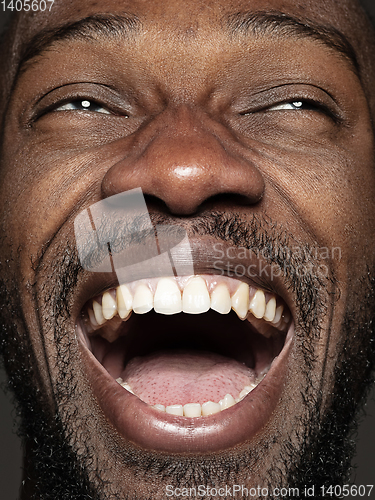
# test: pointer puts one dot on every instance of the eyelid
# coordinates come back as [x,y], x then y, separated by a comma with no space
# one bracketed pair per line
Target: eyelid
[96,93]
[277,108]
[265,100]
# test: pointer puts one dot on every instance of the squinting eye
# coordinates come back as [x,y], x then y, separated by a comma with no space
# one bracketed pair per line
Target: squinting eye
[83,105]
[295,105]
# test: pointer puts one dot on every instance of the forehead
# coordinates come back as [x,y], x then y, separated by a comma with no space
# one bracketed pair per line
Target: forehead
[183,17]
[171,25]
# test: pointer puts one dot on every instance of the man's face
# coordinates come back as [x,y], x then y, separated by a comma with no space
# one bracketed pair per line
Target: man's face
[252,131]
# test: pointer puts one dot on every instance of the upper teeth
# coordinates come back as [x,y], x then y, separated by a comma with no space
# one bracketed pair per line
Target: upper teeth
[192,295]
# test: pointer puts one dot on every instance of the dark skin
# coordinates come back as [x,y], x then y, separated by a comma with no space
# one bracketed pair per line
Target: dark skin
[186,108]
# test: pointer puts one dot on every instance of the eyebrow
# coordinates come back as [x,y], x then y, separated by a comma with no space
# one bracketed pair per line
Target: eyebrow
[89,28]
[275,23]
[241,24]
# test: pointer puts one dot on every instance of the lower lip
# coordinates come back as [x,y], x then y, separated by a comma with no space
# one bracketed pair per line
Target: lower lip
[154,430]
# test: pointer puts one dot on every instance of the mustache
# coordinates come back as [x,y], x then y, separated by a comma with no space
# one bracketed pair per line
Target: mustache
[262,236]
[113,243]
[258,235]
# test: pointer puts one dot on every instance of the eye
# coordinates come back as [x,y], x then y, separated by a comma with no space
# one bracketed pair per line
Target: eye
[296,105]
[83,105]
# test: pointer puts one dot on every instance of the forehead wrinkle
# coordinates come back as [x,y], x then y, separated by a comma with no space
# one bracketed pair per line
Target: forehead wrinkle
[90,28]
[281,25]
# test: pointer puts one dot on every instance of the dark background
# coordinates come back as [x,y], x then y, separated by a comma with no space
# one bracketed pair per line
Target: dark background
[10,447]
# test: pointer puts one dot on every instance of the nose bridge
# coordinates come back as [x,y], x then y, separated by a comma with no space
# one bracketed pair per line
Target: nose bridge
[183,157]
[185,141]
[182,119]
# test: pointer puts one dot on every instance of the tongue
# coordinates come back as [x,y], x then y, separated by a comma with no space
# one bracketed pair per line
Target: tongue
[183,377]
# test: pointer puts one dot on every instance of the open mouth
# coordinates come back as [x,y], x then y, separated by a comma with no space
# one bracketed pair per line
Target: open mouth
[187,351]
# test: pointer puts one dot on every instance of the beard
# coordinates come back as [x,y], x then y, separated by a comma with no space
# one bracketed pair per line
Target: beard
[61,461]
[328,451]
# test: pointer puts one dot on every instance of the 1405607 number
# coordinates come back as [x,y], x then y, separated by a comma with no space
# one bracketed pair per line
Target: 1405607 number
[346,490]
[27,5]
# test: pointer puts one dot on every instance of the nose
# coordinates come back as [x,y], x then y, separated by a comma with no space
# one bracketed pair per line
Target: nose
[185,159]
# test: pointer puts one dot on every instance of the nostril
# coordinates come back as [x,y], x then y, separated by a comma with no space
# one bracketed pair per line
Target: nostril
[155,203]
[225,199]
[215,202]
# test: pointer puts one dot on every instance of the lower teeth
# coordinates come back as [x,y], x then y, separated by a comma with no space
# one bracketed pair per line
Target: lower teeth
[196,409]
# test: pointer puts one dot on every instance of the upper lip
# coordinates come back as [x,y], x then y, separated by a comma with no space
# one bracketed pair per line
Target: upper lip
[205,262]
[157,431]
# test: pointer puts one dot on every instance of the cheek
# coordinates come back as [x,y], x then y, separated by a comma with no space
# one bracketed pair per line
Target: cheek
[330,189]
[41,188]
[48,176]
